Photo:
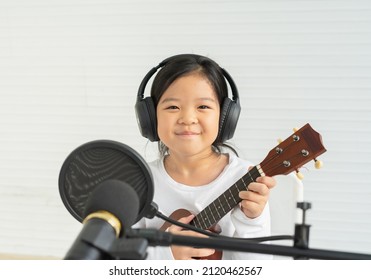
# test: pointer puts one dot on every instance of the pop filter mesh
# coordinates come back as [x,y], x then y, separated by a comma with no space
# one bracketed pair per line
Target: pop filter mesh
[98,161]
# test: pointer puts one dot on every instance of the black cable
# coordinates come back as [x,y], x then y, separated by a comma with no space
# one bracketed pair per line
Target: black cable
[187,226]
[262,239]
[212,234]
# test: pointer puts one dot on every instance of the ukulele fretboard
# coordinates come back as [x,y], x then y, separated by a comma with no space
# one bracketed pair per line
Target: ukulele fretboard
[217,209]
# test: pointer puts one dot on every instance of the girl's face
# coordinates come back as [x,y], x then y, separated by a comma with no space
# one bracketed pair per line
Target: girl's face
[188,116]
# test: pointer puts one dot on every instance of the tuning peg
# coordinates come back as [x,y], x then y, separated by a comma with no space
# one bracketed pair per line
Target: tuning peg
[299,175]
[318,163]
[295,129]
[279,140]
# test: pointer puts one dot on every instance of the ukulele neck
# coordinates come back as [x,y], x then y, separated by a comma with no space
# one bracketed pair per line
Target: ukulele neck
[217,209]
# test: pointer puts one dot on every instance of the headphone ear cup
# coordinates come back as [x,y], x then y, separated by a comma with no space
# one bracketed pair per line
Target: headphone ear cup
[146,117]
[229,115]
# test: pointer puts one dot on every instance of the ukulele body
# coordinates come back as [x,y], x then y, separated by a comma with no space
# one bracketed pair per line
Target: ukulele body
[181,213]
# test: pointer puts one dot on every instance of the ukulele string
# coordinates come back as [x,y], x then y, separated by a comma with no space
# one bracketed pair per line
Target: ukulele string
[225,202]
[281,164]
[187,226]
[277,154]
[212,234]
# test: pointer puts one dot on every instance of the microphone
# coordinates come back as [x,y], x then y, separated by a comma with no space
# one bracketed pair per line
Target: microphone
[97,161]
[111,209]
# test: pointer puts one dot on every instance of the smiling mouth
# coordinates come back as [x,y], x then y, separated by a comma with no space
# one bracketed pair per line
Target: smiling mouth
[187,133]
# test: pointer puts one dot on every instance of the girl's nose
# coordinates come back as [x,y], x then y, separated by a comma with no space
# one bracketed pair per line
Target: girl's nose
[188,117]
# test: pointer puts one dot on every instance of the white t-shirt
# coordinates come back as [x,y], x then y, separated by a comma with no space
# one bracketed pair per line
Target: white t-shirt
[170,195]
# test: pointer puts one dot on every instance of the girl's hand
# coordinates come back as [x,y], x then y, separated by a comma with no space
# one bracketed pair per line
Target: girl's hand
[187,253]
[256,197]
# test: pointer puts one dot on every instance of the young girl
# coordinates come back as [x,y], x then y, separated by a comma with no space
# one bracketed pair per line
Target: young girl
[189,115]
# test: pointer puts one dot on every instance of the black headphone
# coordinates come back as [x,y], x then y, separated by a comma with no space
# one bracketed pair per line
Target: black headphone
[146,111]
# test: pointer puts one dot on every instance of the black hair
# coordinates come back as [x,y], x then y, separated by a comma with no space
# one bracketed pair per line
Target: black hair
[182,65]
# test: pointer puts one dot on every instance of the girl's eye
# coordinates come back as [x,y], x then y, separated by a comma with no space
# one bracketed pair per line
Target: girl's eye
[203,107]
[173,107]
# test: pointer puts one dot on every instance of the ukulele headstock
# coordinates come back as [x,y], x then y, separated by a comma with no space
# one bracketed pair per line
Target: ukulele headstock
[299,148]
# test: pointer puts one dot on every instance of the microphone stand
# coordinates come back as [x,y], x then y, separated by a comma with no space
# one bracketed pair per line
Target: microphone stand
[159,238]
[133,246]
[301,234]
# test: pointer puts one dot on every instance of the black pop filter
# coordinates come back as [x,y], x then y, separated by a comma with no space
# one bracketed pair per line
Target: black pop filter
[95,162]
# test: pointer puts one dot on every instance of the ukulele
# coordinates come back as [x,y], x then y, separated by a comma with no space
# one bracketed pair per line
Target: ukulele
[302,146]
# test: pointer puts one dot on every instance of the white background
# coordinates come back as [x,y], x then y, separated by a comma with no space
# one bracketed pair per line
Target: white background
[70,70]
